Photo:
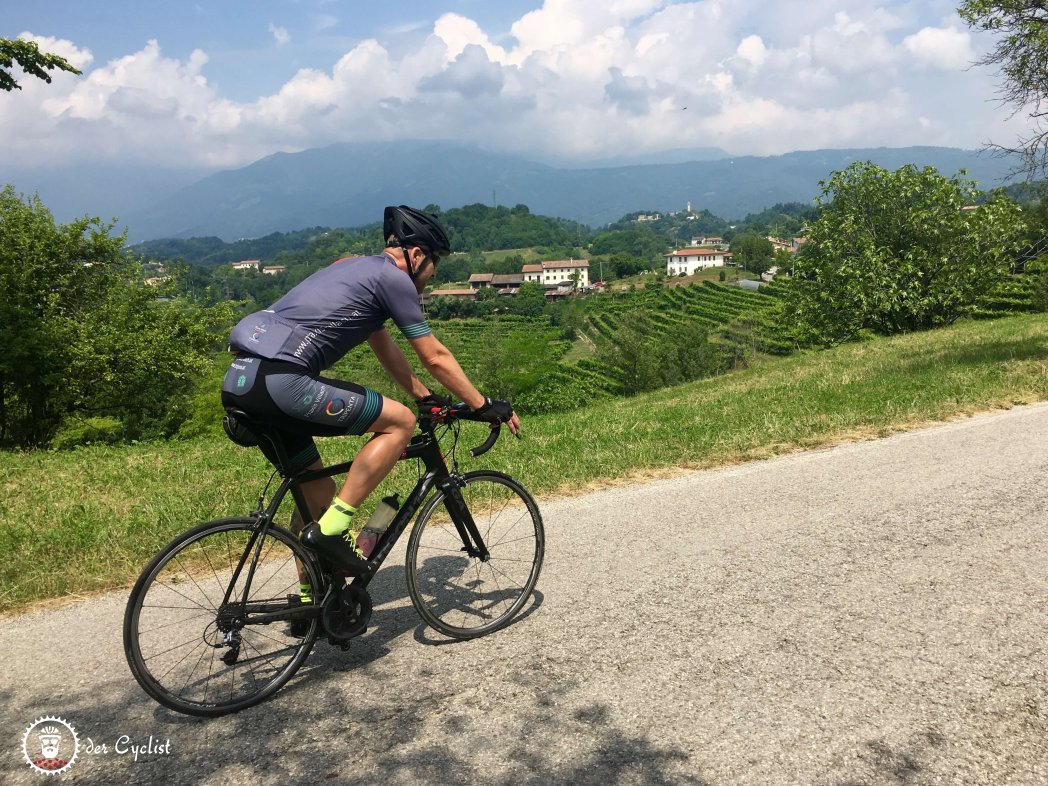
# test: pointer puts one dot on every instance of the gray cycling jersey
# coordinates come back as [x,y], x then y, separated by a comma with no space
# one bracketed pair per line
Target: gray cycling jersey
[332,311]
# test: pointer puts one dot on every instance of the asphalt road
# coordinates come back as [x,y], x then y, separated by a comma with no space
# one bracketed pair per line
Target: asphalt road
[874,613]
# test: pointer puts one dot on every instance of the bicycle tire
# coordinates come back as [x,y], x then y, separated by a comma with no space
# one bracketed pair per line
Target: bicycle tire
[178,659]
[461,596]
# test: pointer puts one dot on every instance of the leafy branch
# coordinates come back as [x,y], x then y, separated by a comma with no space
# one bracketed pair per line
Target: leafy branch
[31,60]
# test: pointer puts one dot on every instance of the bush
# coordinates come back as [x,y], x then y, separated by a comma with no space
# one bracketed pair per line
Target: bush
[85,340]
[898,251]
[85,431]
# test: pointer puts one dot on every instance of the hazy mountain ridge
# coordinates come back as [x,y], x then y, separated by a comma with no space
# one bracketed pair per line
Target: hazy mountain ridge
[348,185]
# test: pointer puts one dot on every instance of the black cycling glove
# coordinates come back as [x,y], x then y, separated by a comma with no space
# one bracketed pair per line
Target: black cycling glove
[494,411]
[427,404]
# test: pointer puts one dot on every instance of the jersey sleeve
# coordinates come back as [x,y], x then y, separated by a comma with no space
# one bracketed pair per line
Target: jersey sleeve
[401,303]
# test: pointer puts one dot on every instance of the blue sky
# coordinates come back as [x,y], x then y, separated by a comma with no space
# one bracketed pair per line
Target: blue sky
[221,84]
[246,57]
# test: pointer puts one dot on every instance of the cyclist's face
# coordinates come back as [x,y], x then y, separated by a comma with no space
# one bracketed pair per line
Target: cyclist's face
[425,267]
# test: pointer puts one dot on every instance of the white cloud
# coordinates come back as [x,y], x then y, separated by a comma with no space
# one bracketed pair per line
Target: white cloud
[80,58]
[945,48]
[458,32]
[752,50]
[280,34]
[575,78]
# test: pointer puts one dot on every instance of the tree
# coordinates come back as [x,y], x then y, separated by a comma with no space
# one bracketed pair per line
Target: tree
[641,242]
[634,359]
[899,251]
[530,301]
[29,57]
[1021,54]
[83,337]
[753,252]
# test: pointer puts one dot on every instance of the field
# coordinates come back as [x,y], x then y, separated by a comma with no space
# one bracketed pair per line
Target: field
[79,522]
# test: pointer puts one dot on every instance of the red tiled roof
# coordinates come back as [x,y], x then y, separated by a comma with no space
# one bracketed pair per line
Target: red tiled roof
[565,263]
[691,252]
[452,293]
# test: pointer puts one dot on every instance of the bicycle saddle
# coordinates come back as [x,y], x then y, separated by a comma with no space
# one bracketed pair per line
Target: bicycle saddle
[240,428]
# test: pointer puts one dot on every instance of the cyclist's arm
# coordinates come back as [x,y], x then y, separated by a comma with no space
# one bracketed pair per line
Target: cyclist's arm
[396,364]
[439,362]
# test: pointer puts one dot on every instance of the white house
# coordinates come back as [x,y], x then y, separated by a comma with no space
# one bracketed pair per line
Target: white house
[558,272]
[533,273]
[246,264]
[687,261]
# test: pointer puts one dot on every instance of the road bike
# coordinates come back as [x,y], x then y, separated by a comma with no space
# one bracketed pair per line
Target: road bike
[216,623]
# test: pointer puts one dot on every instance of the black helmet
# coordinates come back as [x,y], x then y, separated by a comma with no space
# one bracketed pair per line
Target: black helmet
[413,227]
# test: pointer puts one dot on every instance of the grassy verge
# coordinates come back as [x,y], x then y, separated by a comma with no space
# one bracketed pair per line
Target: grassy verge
[78,522]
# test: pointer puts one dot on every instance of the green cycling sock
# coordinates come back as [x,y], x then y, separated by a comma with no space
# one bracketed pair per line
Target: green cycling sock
[305,593]
[336,518]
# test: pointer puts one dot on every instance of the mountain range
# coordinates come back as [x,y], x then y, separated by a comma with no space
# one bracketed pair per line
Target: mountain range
[349,184]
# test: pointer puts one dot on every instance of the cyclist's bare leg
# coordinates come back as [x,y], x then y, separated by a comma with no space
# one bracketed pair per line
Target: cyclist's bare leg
[392,432]
[318,494]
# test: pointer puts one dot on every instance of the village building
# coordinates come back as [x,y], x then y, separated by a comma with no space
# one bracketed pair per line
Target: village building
[708,242]
[549,275]
[533,273]
[273,270]
[247,264]
[480,280]
[684,262]
[507,283]
[565,271]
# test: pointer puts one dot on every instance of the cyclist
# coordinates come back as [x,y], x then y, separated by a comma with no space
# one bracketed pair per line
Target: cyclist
[282,350]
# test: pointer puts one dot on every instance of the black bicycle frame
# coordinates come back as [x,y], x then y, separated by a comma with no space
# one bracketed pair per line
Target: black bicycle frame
[423,446]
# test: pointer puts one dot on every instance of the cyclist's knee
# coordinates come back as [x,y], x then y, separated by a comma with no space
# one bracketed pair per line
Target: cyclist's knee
[398,418]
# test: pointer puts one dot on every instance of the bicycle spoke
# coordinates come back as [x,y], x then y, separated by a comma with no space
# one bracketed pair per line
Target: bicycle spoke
[170,664]
[464,596]
[183,595]
[192,672]
[168,625]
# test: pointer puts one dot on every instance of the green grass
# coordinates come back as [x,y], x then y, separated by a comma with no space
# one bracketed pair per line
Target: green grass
[731,276]
[78,522]
[649,278]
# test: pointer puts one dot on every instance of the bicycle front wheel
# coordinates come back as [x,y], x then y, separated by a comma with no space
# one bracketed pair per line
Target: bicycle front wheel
[462,596]
[188,634]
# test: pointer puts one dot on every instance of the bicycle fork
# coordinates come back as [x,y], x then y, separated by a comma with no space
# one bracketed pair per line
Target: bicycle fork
[472,542]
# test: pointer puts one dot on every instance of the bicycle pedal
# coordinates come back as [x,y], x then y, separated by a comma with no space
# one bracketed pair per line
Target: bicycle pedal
[342,644]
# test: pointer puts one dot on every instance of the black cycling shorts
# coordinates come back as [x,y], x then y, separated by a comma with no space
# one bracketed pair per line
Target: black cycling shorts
[298,406]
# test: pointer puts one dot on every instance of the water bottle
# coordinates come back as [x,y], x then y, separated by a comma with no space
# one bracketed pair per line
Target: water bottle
[385,511]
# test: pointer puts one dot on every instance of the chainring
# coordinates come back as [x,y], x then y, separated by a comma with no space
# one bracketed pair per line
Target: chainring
[346,613]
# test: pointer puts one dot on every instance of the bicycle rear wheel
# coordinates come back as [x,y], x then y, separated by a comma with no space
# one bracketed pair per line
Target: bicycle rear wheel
[188,646]
[462,596]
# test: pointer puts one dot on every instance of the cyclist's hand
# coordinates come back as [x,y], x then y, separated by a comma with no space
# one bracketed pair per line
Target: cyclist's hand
[427,404]
[498,411]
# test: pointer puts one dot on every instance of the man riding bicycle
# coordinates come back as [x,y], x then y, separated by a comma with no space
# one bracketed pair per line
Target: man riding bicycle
[275,377]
